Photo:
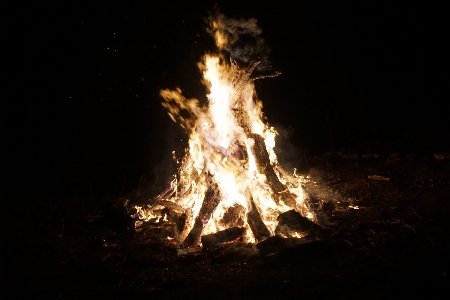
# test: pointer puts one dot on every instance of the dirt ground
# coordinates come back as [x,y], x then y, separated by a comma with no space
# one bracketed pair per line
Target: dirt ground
[394,244]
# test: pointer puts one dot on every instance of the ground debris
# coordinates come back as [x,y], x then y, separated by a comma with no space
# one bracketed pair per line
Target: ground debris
[398,236]
[378,177]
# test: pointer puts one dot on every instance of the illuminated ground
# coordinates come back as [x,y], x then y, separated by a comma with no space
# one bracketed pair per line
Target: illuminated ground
[395,244]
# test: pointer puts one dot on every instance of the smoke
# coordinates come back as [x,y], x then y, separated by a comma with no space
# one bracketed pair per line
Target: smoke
[241,39]
[289,155]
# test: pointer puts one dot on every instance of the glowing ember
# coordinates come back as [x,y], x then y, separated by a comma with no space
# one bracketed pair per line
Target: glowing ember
[229,176]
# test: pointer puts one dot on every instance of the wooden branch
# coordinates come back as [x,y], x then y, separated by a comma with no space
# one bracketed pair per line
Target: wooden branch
[241,78]
[277,73]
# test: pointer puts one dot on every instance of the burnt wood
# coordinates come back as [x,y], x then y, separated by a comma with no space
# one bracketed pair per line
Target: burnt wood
[209,205]
[170,205]
[211,240]
[233,216]
[279,191]
[255,222]
[242,118]
[291,221]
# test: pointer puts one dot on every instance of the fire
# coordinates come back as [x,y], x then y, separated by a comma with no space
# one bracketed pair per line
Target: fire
[222,152]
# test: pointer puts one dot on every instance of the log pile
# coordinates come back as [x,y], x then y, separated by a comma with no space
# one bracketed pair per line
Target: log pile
[211,241]
[233,218]
[279,191]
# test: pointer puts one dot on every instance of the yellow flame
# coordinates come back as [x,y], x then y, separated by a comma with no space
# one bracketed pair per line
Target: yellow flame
[221,39]
[214,139]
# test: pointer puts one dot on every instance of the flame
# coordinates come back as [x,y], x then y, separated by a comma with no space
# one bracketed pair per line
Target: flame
[216,144]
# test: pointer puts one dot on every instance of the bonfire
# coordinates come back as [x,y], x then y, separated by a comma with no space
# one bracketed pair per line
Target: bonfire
[229,184]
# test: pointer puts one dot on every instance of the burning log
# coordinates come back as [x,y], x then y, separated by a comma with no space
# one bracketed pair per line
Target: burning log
[241,78]
[218,146]
[170,205]
[280,192]
[289,179]
[174,216]
[209,205]
[292,224]
[215,239]
[166,193]
[255,222]
[233,217]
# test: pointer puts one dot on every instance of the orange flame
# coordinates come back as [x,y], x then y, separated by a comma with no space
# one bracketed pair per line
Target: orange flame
[214,138]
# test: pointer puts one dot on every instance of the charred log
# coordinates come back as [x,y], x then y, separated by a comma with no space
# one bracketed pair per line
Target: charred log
[241,78]
[179,219]
[237,151]
[170,205]
[233,216]
[210,241]
[194,178]
[209,205]
[255,221]
[242,118]
[280,192]
[166,193]
[292,222]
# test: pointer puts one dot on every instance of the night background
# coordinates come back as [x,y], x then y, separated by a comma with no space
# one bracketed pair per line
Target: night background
[82,106]
[82,113]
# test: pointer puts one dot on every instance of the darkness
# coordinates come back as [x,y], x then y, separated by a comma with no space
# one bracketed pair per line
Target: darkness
[81,104]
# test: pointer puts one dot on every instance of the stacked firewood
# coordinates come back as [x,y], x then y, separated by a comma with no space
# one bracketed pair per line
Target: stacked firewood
[233,217]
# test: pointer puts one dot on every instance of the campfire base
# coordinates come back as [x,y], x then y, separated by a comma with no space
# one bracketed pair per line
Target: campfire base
[211,241]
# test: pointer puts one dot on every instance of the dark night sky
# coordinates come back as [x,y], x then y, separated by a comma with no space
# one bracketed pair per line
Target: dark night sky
[81,106]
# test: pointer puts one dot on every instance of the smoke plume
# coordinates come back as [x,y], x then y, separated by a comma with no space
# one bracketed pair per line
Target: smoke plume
[241,39]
